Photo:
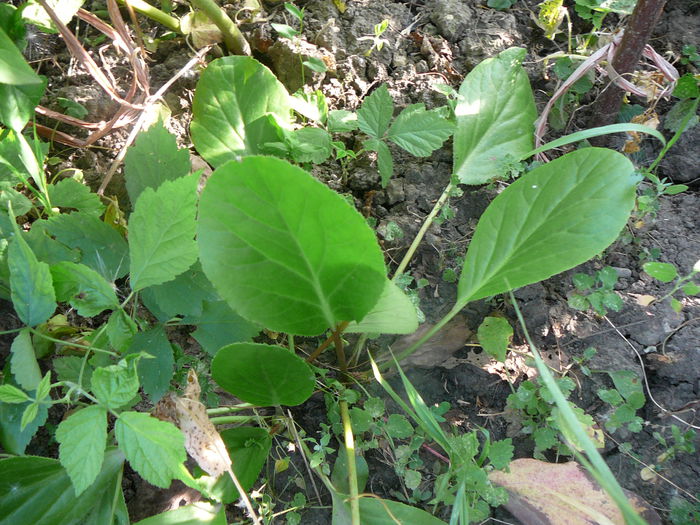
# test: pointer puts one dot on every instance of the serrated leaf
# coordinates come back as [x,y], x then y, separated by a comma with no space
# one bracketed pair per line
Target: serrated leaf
[394,313]
[153,159]
[376,111]
[68,369]
[501,453]
[47,249]
[29,415]
[83,288]
[33,295]
[71,194]
[17,102]
[607,277]
[495,117]
[161,232]
[102,248]
[310,145]
[120,330]
[418,131]
[44,387]
[232,93]
[14,438]
[184,295]
[82,438]
[583,281]
[12,394]
[155,449]
[494,335]
[154,374]
[271,243]
[38,490]
[23,363]
[664,272]
[263,375]
[385,162]
[115,385]
[398,426]
[551,219]
[218,325]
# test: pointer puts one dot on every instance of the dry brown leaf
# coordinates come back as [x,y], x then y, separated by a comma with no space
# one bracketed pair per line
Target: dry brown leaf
[202,441]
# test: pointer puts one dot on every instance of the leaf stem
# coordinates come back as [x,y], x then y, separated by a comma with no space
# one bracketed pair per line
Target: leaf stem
[352,467]
[233,38]
[225,420]
[421,233]
[154,13]
[71,343]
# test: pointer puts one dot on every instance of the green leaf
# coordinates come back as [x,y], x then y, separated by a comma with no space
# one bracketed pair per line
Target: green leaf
[495,117]
[376,111]
[14,438]
[218,326]
[690,289]
[184,295]
[199,513]
[385,162]
[398,427]
[120,330]
[232,93]
[82,438]
[83,288]
[29,415]
[115,385]
[376,511]
[10,198]
[285,30]
[494,335]
[310,145]
[551,219]
[248,448]
[263,375]
[501,453]
[418,131]
[315,64]
[44,387]
[154,374]
[607,277]
[155,449]
[23,363]
[38,490]
[69,193]
[610,396]
[103,249]
[626,382]
[664,272]
[284,250]
[583,281]
[30,280]
[153,159]
[161,232]
[68,369]
[578,302]
[14,69]
[394,313]
[12,394]
[47,249]
[341,120]
[17,102]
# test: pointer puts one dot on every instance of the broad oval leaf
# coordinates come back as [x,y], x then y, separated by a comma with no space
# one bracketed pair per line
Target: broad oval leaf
[232,93]
[554,218]
[263,375]
[495,117]
[284,250]
[199,513]
[38,490]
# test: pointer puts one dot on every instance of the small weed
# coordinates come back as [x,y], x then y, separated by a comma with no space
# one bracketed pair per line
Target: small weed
[596,292]
[686,285]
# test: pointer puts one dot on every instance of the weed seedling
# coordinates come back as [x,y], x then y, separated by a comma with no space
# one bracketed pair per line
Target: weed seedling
[686,285]
[596,292]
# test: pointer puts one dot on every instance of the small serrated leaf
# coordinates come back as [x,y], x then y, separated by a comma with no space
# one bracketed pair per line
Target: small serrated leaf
[376,111]
[385,162]
[23,363]
[12,394]
[82,438]
[494,335]
[155,449]
[418,131]
[115,385]
[29,415]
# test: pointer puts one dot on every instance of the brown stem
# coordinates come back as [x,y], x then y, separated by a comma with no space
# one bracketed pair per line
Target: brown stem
[637,33]
[341,328]
[339,350]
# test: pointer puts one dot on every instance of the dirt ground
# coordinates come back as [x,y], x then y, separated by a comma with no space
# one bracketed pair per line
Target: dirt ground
[439,41]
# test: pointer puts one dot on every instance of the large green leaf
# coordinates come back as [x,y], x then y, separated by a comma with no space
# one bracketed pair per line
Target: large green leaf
[420,132]
[33,295]
[394,313]
[69,193]
[232,93]
[153,159]
[551,219]
[115,385]
[263,375]
[38,490]
[284,250]
[161,232]
[184,295]
[103,249]
[155,449]
[495,117]
[13,438]
[14,69]
[376,511]
[83,437]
